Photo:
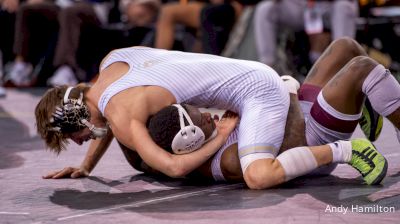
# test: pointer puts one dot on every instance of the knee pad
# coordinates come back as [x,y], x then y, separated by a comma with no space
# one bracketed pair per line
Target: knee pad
[383,90]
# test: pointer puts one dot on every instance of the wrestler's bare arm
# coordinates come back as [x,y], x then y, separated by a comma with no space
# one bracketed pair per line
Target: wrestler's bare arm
[96,150]
[136,136]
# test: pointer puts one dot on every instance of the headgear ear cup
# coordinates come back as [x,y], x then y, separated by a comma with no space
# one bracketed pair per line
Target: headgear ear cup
[190,137]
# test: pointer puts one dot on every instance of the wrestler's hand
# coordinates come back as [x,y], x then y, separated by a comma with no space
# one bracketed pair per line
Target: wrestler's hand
[67,172]
[227,124]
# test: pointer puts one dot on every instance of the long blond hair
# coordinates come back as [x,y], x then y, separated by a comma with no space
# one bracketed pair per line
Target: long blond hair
[54,140]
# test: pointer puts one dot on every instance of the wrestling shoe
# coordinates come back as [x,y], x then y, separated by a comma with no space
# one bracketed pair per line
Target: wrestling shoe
[368,161]
[371,122]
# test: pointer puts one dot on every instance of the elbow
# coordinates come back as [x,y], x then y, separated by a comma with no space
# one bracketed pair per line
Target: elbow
[177,167]
[176,171]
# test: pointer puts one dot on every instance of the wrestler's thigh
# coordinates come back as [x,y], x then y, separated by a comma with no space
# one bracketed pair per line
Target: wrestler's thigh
[343,92]
[332,60]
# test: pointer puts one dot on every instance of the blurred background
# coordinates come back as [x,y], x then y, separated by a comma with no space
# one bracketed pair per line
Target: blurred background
[47,43]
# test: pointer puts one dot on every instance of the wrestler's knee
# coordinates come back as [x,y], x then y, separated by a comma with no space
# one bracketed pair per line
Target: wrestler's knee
[264,173]
[349,46]
[360,67]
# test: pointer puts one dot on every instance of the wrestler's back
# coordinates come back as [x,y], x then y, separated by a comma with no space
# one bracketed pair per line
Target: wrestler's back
[198,79]
[139,96]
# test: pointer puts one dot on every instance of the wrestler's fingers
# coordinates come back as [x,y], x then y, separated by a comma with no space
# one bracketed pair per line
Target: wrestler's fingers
[63,173]
[55,173]
[50,175]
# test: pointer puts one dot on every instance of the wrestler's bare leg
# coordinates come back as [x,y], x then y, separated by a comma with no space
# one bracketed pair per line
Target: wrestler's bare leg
[343,67]
[332,60]
[337,55]
[344,91]
[341,72]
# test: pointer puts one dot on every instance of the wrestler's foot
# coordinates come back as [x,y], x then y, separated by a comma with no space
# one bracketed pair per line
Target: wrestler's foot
[368,161]
[371,122]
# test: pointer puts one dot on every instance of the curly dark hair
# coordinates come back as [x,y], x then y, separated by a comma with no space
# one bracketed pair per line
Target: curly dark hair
[163,127]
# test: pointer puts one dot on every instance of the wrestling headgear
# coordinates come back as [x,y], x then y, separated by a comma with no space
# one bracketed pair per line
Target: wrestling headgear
[190,137]
[73,116]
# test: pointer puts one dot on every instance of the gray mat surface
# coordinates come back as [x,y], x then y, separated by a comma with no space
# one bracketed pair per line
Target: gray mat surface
[115,193]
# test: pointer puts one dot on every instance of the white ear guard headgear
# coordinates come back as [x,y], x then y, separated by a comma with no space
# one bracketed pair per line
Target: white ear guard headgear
[73,116]
[190,137]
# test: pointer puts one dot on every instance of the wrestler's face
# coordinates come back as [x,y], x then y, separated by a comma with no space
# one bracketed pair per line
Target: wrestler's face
[202,120]
[81,136]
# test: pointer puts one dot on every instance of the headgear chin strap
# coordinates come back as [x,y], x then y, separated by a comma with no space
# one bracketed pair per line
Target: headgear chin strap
[190,137]
[73,116]
[96,132]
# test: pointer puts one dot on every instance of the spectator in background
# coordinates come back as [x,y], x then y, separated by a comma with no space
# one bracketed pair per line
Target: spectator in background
[73,20]
[7,21]
[36,33]
[273,16]
[139,17]
[80,21]
[211,21]
[140,13]
[135,27]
